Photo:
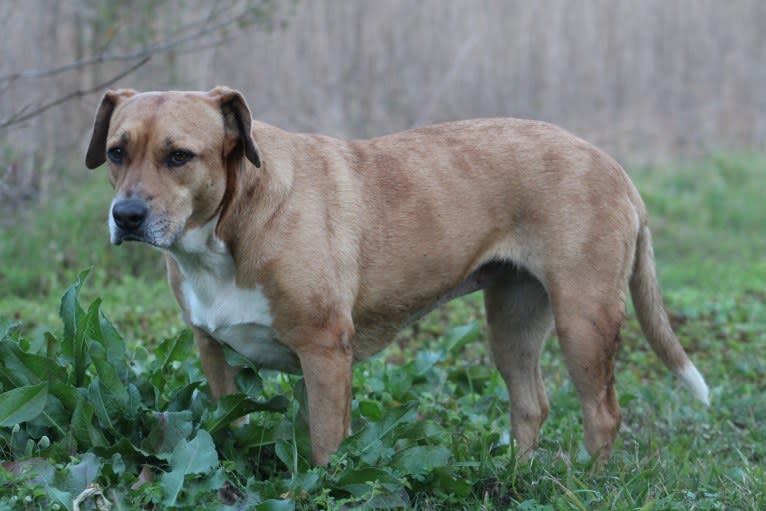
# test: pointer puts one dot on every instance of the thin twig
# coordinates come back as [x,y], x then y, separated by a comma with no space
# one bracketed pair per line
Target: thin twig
[200,40]
[15,119]
[208,46]
[139,54]
[213,14]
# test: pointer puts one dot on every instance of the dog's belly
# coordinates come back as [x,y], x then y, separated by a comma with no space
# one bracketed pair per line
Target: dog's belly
[476,281]
[377,327]
[259,344]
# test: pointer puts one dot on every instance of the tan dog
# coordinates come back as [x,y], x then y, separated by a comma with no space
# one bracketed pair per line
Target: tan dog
[307,253]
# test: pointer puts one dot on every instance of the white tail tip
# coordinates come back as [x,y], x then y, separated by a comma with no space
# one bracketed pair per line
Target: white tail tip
[695,382]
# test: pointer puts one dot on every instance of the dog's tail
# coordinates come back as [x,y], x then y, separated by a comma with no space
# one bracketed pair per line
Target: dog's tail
[654,320]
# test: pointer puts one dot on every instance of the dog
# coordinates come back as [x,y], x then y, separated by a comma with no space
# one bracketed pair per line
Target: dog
[306,253]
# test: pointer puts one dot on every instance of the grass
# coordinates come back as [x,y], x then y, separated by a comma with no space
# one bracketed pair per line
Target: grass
[430,414]
[708,222]
[43,251]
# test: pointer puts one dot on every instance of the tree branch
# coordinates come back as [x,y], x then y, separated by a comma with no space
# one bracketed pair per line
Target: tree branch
[21,116]
[208,31]
[147,51]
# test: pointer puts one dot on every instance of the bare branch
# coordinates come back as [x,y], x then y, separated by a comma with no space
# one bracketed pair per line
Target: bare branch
[21,116]
[208,46]
[148,51]
[215,13]
[204,33]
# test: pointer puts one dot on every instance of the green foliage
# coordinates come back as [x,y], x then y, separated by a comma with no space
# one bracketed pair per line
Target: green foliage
[45,248]
[22,404]
[707,220]
[430,433]
[82,394]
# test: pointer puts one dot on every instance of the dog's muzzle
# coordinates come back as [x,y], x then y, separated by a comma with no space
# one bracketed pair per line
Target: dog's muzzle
[129,218]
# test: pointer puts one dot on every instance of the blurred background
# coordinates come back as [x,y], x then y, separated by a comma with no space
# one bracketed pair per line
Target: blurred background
[673,89]
[646,80]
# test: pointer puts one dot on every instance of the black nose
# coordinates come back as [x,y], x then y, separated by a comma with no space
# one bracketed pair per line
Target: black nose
[130,214]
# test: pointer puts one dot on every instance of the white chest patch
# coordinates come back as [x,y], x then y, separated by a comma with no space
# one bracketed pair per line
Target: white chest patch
[238,317]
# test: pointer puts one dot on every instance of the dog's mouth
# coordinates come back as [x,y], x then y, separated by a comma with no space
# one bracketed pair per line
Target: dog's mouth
[129,236]
[140,237]
[118,236]
[152,236]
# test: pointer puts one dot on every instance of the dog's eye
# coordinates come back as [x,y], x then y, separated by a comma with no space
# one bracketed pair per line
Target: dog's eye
[178,158]
[116,154]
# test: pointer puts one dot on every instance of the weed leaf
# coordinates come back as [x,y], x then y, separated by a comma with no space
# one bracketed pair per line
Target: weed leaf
[462,335]
[195,457]
[112,340]
[181,398]
[70,310]
[421,459]
[125,448]
[104,409]
[175,349]
[169,429]
[450,484]
[7,327]
[359,481]
[76,476]
[424,362]
[67,394]
[276,505]
[19,368]
[236,359]
[83,430]
[373,410]
[234,406]
[22,404]
[114,389]
[249,382]
[374,441]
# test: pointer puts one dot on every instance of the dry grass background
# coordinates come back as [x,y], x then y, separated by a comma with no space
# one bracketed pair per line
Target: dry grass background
[648,80]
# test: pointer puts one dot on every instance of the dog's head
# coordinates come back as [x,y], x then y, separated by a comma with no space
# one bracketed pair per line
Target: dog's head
[172,157]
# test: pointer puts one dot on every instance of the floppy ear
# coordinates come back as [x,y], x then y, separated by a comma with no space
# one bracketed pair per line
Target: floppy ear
[237,121]
[96,154]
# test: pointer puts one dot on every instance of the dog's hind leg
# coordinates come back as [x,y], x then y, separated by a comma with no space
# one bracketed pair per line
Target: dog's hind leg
[520,319]
[588,314]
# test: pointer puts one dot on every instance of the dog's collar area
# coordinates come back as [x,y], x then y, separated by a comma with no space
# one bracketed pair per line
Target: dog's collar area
[199,241]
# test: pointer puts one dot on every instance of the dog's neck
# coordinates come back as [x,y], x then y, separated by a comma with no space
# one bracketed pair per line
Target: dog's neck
[199,248]
[212,246]
[259,192]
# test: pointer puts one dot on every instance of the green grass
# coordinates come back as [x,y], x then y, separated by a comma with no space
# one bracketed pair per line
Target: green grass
[708,222]
[430,413]
[44,249]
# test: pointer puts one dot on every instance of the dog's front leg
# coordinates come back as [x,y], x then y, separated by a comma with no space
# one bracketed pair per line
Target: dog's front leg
[220,375]
[326,358]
